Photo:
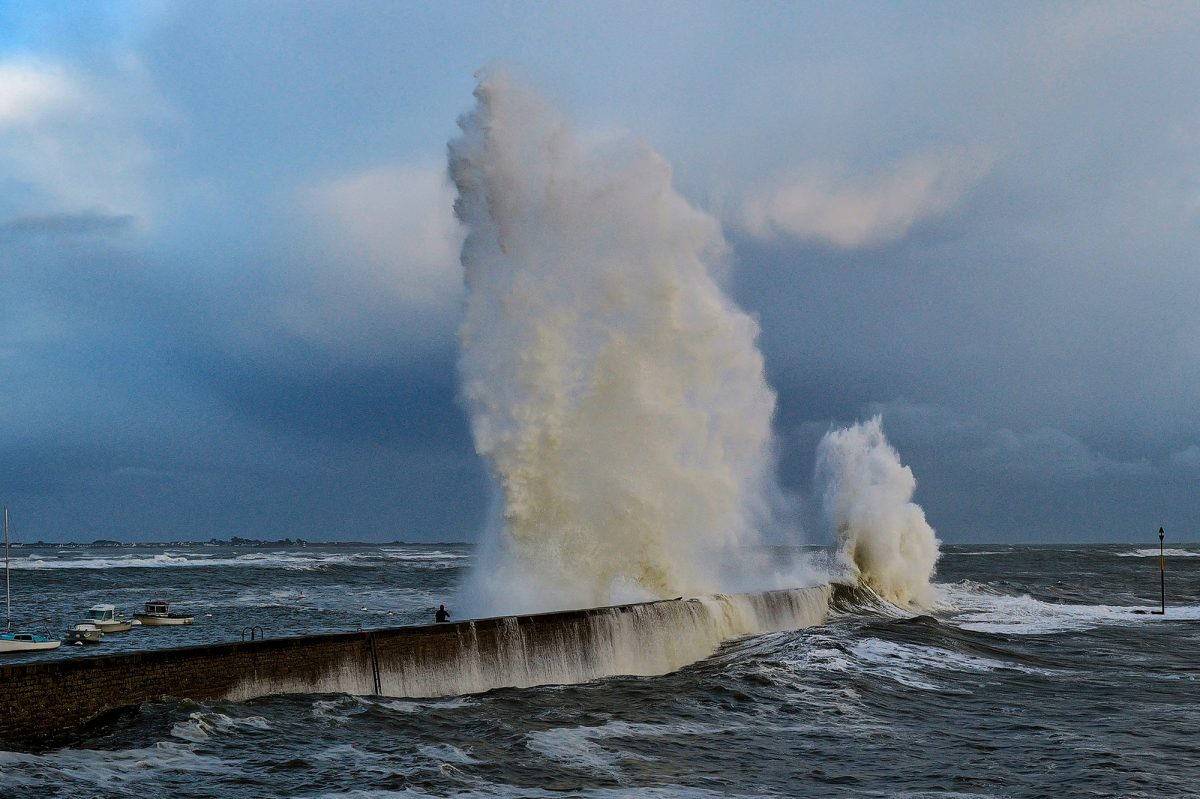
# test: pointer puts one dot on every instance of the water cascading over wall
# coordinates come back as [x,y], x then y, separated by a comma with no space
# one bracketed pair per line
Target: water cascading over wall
[642,639]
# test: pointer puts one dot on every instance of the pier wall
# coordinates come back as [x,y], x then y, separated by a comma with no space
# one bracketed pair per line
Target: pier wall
[44,702]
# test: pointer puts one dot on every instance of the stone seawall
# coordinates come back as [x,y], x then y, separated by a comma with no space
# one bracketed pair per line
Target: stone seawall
[43,702]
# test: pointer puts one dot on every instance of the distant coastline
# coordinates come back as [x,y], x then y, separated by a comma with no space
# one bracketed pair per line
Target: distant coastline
[236,541]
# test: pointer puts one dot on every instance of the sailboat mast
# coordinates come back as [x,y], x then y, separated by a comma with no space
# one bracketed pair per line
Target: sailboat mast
[7,588]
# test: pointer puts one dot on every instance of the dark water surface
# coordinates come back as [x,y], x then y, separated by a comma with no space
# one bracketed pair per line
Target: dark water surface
[1033,678]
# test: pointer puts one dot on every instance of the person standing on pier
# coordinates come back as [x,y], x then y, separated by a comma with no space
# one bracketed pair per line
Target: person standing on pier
[442,614]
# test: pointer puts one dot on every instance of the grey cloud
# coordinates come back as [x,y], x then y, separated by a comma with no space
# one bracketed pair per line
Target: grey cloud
[1188,458]
[1045,455]
[850,211]
[92,222]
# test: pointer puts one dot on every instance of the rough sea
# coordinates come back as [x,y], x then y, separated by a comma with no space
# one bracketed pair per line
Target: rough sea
[1034,677]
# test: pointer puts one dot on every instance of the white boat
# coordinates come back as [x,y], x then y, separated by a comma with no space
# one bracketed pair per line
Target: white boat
[158,613]
[84,633]
[19,640]
[108,619]
[26,642]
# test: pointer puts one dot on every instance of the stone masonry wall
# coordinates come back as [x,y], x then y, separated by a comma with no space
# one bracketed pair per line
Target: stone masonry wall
[41,703]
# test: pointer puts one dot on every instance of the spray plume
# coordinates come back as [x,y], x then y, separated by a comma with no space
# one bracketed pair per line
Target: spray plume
[868,500]
[615,392]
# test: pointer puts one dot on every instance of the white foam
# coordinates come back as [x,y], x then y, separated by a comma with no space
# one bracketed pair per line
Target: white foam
[202,725]
[339,709]
[113,562]
[491,790]
[446,753]
[904,662]
[414,554]
[1153,553]
[89,768]
[1024,615]
[884,659]
[896,662]
[424,707]
[297,561]
[577,746]
[940,795]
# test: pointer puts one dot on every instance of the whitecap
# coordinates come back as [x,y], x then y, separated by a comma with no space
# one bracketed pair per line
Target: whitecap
[958,554]
[578,747]
[412,554]
[1024,615]
[575,747]
[447,753]
[204,724]
[405,706]
[1153,553]
[903,662]
[92,767]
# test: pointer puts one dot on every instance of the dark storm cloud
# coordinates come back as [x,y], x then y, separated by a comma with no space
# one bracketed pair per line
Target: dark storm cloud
[153,398]
[64,224]
[405,403]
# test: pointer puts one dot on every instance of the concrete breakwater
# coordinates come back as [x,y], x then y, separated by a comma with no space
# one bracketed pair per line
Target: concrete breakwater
[43,702]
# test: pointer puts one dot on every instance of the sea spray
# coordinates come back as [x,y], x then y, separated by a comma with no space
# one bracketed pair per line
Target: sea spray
[615,392]
[867,496]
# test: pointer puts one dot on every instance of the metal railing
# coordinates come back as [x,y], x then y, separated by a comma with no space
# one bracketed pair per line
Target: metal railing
[256,632]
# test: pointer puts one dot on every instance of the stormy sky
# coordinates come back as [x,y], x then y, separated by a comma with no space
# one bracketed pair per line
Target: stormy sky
[229,267]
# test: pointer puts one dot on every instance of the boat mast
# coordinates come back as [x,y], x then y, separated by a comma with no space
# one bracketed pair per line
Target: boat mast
[7,589]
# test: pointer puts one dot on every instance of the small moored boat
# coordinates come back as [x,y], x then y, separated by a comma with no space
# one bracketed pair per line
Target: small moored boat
[108,619]
[26,642]
[84,633]
[158,613]
[20,640]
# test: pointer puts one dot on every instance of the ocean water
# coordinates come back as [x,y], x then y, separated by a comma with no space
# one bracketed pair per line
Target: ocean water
[1033,677]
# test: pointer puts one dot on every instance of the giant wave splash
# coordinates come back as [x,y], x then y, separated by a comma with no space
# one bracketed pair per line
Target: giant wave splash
[615,392]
